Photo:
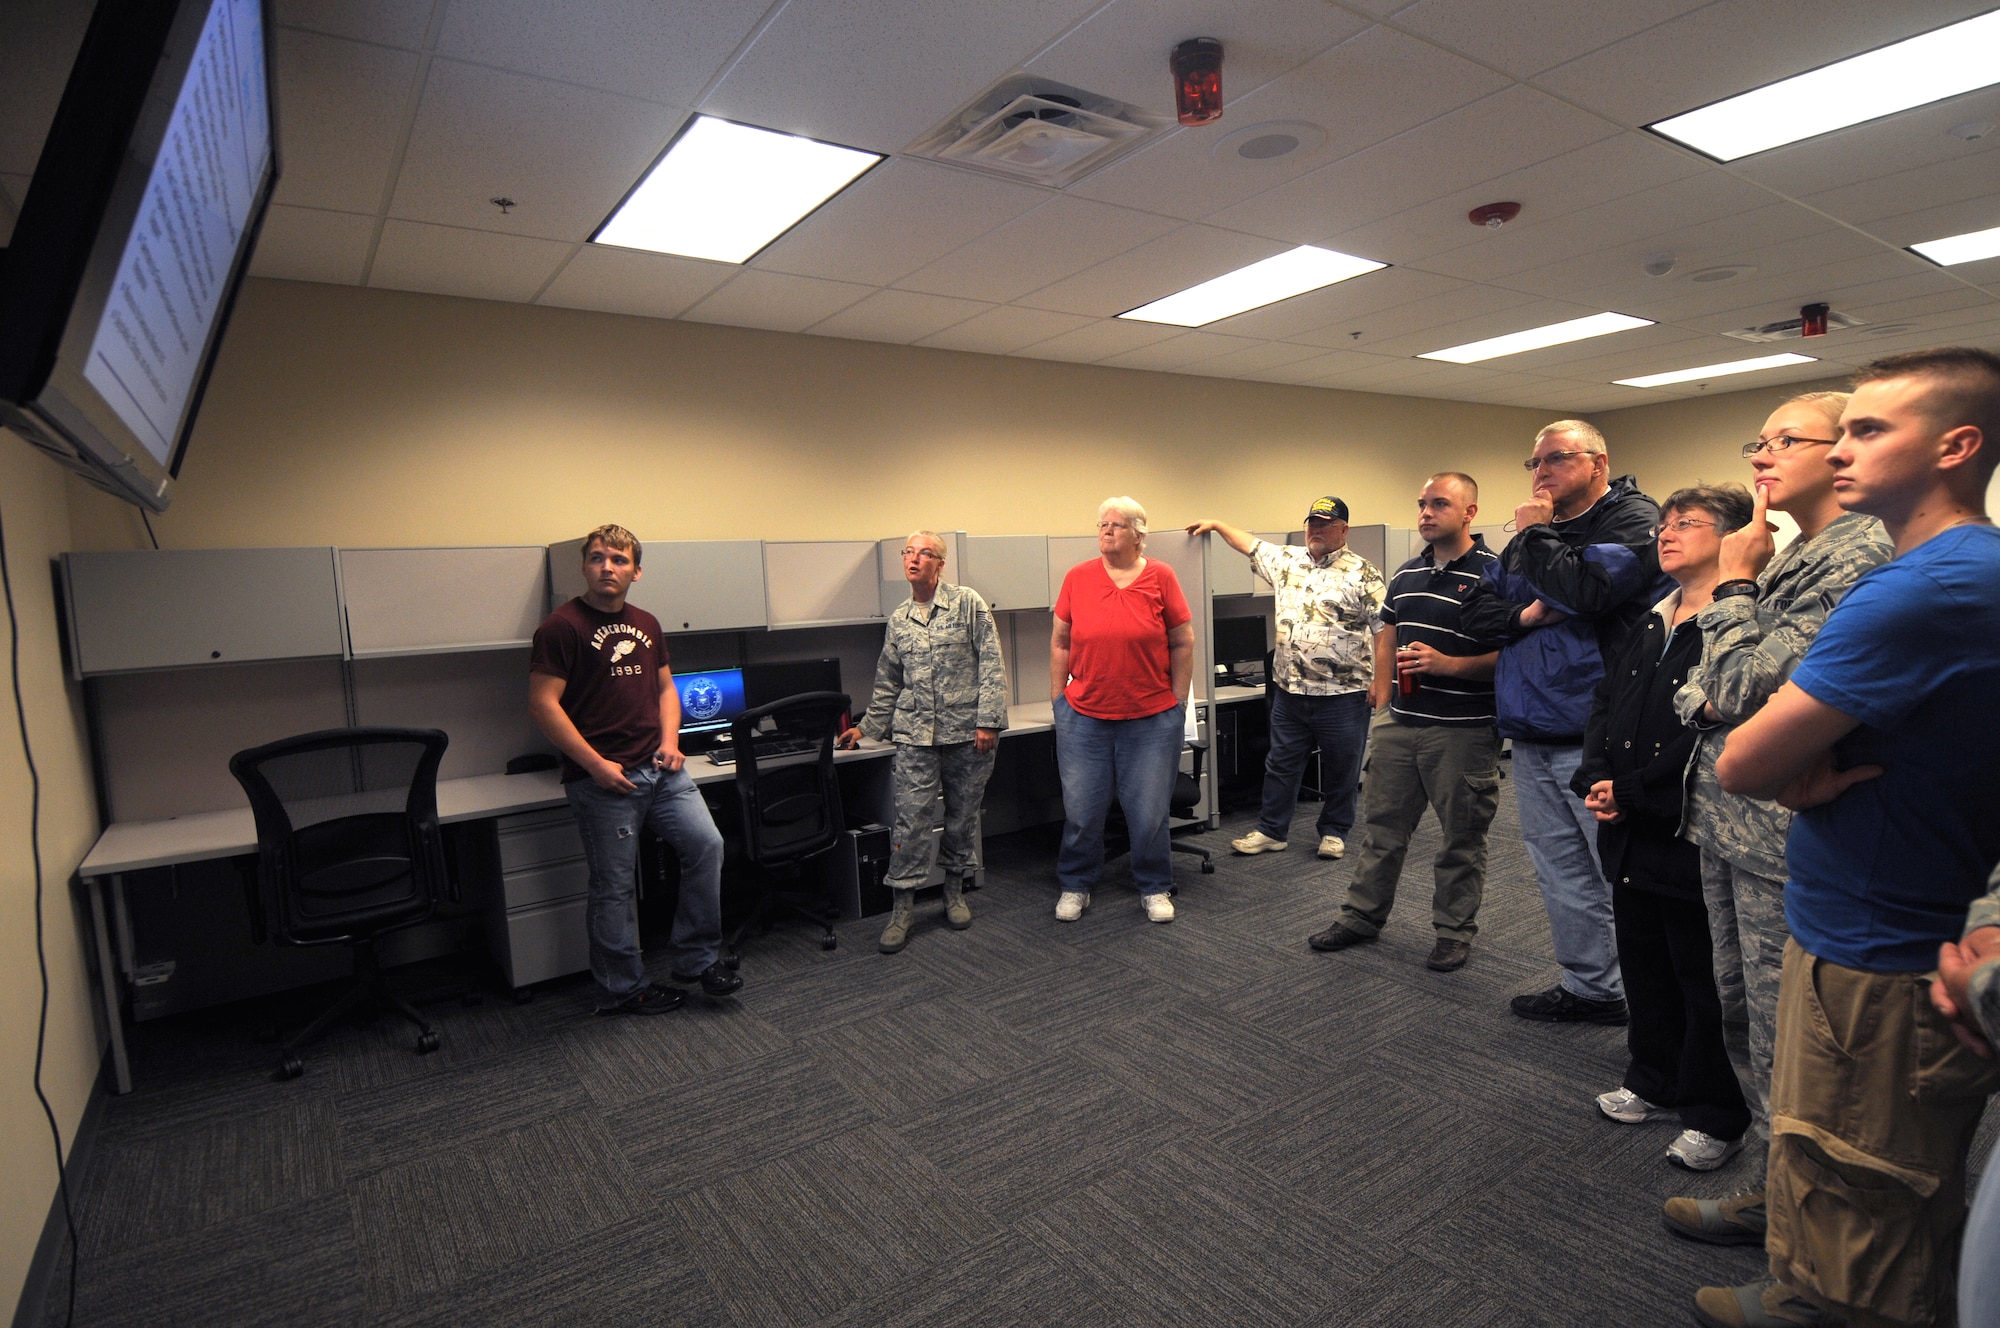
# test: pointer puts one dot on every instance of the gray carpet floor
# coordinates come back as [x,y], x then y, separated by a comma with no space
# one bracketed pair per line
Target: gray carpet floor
[1025,1123]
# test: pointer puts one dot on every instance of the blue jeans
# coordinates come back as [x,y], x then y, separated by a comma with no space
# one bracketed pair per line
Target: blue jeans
[668,804]
[1339,725]
[1562,840]
[1134,760]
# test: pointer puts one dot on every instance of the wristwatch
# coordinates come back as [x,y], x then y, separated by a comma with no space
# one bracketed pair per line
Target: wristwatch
[1741,587]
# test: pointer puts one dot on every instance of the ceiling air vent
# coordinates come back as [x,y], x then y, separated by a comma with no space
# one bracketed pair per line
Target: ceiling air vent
[1038,130]
[1788,329]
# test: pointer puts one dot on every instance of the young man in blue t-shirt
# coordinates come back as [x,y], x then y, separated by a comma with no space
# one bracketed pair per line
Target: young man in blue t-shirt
[1887,742]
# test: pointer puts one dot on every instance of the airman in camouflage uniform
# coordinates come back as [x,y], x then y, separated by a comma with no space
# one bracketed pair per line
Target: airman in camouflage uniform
[941,693]
[1751,641]
[1983,985]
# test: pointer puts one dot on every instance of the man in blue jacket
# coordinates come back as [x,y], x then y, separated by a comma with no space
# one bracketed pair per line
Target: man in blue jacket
[1579,573]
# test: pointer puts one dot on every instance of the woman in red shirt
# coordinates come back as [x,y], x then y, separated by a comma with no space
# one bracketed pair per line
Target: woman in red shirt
[1121,660]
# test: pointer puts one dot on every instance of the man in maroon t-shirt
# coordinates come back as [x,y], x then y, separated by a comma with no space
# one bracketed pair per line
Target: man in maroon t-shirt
[600,690]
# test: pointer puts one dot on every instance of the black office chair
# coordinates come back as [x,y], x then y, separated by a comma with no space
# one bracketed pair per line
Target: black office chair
[790,801]
[348,849]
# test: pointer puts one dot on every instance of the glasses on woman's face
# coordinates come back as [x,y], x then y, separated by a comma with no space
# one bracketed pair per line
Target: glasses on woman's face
[1103,526]
[1779,442]
[923,553]
[1683,525]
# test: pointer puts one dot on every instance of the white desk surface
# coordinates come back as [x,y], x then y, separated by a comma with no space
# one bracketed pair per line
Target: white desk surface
[1231,695]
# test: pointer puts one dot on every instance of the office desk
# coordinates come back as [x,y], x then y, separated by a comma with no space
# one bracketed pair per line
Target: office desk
[129,846]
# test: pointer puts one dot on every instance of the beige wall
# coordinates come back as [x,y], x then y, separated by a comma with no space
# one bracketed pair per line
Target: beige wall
[351,417]
[37,528]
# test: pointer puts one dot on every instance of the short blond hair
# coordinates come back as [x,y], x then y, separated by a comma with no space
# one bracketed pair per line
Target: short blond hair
[943,549]
[1829,404]
[614,537]
[1128,508]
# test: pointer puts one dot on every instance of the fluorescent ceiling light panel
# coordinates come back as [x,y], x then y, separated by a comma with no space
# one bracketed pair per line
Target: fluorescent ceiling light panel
[1865,87]
[1535,338]
[1717,370]
[1279,277]
[1955,249]
[723,191]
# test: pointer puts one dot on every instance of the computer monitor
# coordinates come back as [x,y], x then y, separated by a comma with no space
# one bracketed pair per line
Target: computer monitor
[777,679]
[710,700]
[1240,640]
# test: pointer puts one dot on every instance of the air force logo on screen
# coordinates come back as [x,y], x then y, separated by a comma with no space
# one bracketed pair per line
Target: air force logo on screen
[702,700]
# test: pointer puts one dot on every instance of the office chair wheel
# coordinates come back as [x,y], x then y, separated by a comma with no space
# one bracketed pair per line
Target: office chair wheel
[522,995]
[732,961]
[829,942]
[427,1042]
[1208,869]
[289,1068]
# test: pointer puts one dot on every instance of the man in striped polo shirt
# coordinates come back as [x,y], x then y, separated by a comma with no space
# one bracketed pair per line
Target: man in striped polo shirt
[1435,744]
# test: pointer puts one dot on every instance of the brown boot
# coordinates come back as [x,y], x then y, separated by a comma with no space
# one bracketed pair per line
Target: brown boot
[957,913]
[897,934]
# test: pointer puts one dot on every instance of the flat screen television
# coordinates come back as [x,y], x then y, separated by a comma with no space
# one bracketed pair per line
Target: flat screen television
[135,235]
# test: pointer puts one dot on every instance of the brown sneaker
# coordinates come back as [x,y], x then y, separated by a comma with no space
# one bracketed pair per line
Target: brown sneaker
[1769,1304]
[1735,1220]
[1337,937]
[1448,955]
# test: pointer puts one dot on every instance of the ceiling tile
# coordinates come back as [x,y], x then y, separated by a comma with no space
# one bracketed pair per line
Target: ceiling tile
[1179,352]
[1504,132]
[1765,299]
[1062,236]
[1330,316]
[898,217]
[1524,40]
[627,281]
[1177,260]
[341,119]
[1250,359]
[1005,329]
[306,244]
[1733,46]
[634,47]
[775,300]
[1897,147]
[899,316]
[385,22]
[1373,87]
[1470,313]
[1121,51]
[1935,223]
[877,76]
[1912,299]
[566,155]
[1098,341]
[445,260]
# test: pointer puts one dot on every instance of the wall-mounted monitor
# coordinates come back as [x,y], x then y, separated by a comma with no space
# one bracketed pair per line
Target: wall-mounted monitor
[135,235]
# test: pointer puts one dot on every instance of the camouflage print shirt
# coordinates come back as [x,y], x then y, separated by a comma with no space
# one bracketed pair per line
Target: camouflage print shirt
[1749,649]
[1985,983]
[940,675]
[1328,613]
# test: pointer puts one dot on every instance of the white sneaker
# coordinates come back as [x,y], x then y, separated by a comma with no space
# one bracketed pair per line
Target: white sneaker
[1695,1151]
[1257,842]
[1628,1108]
[1070,907]
[1159,907]
[1332,846]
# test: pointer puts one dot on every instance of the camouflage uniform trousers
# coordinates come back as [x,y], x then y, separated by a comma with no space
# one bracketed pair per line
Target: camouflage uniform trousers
[1746,921]
[955,773]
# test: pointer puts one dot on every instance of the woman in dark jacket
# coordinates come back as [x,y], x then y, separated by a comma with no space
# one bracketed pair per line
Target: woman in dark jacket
[1633,779]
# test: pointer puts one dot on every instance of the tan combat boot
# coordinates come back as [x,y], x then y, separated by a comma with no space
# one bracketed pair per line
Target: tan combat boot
[897,934]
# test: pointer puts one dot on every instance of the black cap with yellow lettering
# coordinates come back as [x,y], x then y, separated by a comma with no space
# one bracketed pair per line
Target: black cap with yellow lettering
[1328,508]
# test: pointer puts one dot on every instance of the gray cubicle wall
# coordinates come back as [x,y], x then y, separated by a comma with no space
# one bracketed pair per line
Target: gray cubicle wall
[689,585]
[823,583]
[1010,572]
[426,601]
[190,608]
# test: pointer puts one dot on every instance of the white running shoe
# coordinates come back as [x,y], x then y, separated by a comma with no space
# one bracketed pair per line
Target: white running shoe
[1332,846]
[1070,907]
[1159,907]
[1628,1108]
[1257,842]
[1694,1151]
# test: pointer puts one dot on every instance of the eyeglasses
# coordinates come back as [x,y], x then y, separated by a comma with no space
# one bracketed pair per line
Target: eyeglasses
[1780,443]
[1554,459]
[923,553]
[1103,526]
[1686,523]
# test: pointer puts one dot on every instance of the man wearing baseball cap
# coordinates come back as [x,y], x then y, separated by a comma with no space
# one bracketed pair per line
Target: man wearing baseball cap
[1329,609]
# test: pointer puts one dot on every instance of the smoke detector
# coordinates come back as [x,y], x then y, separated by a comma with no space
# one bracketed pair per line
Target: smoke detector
[1790,329]
[1038,130]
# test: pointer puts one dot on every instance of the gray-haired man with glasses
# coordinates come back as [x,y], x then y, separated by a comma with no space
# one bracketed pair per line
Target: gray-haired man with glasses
[1581,571]
[941,692]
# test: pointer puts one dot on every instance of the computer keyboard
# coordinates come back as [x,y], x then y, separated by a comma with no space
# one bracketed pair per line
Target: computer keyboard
[767,749]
